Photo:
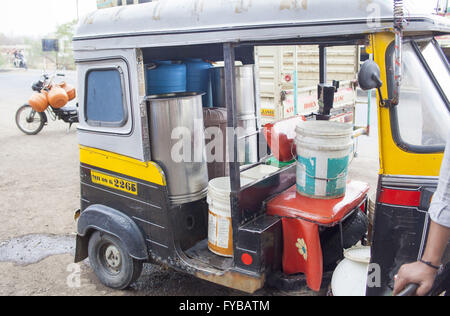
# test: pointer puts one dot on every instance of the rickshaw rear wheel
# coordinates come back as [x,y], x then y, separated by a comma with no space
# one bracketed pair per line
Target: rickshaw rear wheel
[111,261]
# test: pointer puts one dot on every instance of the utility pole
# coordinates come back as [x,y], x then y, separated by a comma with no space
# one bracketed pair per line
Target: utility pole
[78,11]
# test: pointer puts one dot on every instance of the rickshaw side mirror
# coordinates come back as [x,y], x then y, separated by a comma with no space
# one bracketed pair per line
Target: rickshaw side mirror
[369,76]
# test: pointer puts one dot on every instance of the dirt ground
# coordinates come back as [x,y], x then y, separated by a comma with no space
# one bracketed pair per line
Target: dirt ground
[39,192]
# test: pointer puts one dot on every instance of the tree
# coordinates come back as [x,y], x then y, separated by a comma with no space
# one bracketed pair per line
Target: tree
[2,60]
[33,53]
[64,33]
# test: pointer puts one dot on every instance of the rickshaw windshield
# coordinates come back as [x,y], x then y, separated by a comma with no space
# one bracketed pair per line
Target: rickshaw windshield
[438,64]
[422,115]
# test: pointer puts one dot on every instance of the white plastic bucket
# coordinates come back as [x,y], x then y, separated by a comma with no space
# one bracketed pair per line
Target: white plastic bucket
[323,155]
[220,232]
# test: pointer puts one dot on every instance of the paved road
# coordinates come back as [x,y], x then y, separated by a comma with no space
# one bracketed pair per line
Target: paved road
[39,190]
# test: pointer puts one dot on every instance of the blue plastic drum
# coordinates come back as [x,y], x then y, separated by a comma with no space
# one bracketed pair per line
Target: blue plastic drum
[165,77]
[198,79]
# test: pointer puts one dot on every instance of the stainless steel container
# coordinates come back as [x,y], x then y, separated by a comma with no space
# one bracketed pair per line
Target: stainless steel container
[246,110]
[245,89]
[178,144]
[247,146]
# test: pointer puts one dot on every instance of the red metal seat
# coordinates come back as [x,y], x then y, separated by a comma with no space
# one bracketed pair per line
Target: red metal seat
[301,217]
[323,212]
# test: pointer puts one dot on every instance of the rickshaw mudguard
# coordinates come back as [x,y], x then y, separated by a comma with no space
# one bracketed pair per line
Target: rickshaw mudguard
[110,221]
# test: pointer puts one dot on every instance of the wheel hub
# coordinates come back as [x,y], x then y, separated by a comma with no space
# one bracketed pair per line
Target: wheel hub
[113,258]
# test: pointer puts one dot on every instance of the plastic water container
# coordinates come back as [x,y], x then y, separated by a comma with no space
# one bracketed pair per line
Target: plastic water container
[323,149]
[220,232]
[198,79]
[350,276]
[164,77]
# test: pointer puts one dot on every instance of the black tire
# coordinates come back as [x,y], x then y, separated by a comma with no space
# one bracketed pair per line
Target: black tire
[117,277]
[354,229]
[30,126]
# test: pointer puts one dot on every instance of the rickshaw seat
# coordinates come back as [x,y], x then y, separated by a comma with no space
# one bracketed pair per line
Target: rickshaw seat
[301,218]
[290,204]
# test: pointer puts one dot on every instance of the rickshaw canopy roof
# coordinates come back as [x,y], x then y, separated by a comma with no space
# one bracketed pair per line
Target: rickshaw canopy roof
[190,22]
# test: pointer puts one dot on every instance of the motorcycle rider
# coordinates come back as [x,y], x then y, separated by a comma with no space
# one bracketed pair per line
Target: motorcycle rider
[19,59]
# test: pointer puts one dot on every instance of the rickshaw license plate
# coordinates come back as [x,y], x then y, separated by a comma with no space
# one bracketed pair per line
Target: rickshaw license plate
[114,183]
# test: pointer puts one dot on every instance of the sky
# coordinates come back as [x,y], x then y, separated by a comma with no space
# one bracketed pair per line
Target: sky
[39,17]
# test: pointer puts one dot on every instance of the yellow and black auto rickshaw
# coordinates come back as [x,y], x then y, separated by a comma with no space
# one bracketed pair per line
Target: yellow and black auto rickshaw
[139,204]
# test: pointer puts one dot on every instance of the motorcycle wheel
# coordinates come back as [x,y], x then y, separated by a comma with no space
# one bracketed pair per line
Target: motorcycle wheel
[29,121]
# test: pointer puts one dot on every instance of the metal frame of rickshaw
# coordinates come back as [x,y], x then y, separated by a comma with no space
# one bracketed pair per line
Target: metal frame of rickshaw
[235,168]
[236,276]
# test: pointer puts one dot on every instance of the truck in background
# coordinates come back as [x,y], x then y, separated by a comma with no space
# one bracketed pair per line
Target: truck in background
[286,69]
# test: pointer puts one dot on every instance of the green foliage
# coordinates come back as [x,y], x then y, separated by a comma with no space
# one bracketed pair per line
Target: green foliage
[64,33]
[34,53]
[2,60]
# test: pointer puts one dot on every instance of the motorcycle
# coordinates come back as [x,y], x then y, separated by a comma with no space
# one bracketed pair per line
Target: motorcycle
[32,122]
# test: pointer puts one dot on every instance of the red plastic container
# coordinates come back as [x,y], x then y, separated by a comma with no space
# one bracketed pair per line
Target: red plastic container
[281,138]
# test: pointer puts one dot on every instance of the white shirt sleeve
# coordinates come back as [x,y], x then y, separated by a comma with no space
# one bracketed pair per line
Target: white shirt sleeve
[440,206]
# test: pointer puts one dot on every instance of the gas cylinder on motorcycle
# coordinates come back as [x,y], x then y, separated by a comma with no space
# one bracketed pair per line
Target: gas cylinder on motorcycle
[38,101]
[70,90]
[57,97]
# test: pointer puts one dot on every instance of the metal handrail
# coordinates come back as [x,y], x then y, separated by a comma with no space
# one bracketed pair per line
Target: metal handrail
[410,290]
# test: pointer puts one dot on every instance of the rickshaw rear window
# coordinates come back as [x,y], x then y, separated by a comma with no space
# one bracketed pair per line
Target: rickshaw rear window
[104,97]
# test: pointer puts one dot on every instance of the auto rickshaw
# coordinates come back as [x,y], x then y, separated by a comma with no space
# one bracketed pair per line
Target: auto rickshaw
[138,205]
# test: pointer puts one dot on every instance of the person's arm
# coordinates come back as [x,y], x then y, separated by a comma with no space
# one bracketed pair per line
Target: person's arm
[437,244]
[420,273]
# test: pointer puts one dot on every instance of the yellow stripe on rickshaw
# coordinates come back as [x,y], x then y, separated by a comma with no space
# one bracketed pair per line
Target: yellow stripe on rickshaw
[146,171]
